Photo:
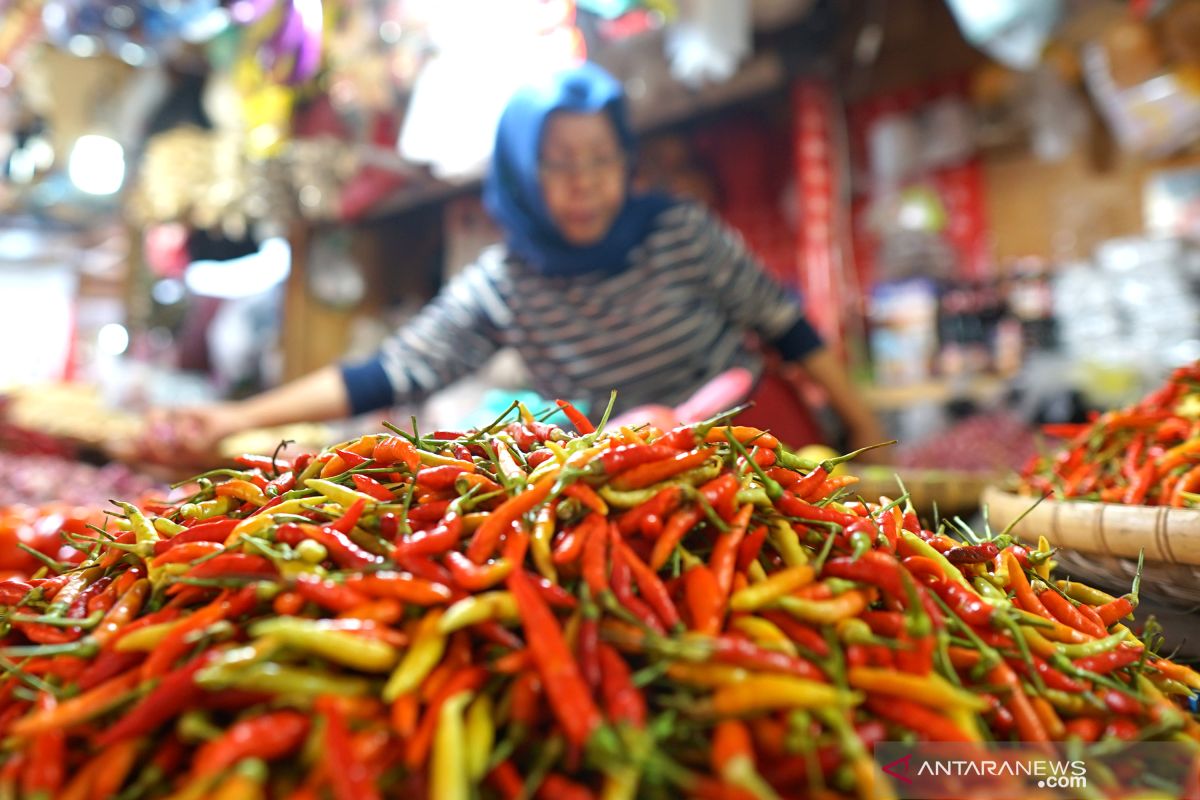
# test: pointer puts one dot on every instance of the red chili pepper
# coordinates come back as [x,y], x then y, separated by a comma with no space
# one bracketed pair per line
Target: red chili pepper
[570,542]
[792,506]
[232,565]
[651,587]
[431,511]
[228,605]
[1120,703]
[271,735]
[557,787]
[345,553]
[622,587]
[13,591]
[1062,610]
[568,692]
[45,772]
[328,594]
[1114,610]
[426,543]
[654,472]
[628,456]
[623,702]
[581,423]
[401,586]
[487,536]
[265,463]
[1141,484]
[750,547]
[552,593]
[1087,729]
[906,714]
[721,494]
[538,457]
[800,633]
[723,559]
[705,605]
[475,577]
[349,778]
[595,562]
[679,524]
[744,653]
[391,450]
[1104,663]
[187,552]
[440,478]
[648,517]
[468,679]
[175,693]
[588,646]
[368,485]
[972,554]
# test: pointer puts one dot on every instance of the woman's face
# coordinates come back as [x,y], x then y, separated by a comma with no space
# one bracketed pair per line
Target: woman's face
[582,172]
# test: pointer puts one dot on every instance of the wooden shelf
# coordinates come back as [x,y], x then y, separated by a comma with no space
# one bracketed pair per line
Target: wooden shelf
[891,398]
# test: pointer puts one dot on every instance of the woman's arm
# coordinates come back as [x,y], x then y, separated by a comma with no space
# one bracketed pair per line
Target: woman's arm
[825,370]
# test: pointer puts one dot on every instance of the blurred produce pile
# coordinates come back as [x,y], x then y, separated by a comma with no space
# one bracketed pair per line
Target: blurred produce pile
[990,442]
[36,479]
[1145,454]
[524,612]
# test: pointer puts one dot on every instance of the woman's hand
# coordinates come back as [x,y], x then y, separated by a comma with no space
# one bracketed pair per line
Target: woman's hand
[185,437]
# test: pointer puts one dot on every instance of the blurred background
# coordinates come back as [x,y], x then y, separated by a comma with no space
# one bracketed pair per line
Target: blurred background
[991,208]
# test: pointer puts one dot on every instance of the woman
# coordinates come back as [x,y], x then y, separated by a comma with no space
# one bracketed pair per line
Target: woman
[597,288]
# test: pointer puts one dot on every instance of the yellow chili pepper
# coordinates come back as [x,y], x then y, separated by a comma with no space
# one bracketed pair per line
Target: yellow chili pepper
[251,526]
[786,541]
[1084,593]
[242,490]
[923,548]
[1043,569]
[765,633]
[781,583]
[429,643]
[281,679]
[337,493]
[777,692]
[931,690]
[498,605]
[245,783]
[539,542]
[631,436]
[145,534]
[143,640]
[480,736]
[334,640]
[448,778]
[825,612]
[1071,704]
[209,508]
[695,674]
[168,528]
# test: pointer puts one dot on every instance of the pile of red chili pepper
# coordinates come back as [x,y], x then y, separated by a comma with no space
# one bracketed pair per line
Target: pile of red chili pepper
[1146,454]
[527,612]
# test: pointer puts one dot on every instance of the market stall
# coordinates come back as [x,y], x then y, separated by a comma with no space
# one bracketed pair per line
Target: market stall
[465,568]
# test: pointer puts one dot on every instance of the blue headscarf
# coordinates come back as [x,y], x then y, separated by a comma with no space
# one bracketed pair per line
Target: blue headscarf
[512,191]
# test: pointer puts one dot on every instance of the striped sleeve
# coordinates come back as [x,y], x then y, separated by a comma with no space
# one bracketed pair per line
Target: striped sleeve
[448,339]
[749,295]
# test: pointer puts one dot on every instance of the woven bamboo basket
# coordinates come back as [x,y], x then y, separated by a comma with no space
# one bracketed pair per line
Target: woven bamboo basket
[951,492]
[1100,541]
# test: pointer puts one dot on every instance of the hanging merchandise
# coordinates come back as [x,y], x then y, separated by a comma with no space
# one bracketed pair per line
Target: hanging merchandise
[1146,86]
[819,243]
[517,41]
[138,32]
[1013,32]
[709,40]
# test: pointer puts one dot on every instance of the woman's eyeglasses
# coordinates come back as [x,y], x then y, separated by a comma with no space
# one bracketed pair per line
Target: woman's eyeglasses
[556,169]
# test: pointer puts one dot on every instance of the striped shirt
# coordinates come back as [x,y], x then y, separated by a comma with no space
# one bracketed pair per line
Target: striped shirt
[677,317]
